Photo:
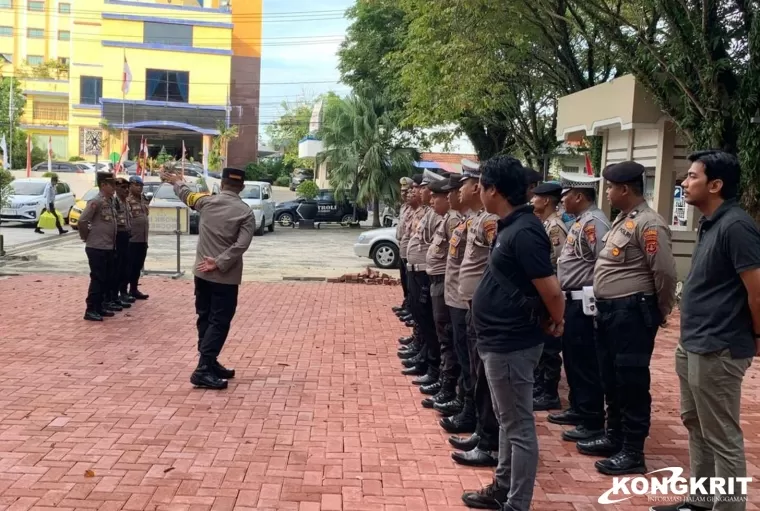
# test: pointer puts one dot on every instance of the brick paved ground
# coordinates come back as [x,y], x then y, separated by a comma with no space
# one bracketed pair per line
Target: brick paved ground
[101,416]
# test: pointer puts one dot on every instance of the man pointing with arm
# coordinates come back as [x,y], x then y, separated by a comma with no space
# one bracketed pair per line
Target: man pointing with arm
[226,230]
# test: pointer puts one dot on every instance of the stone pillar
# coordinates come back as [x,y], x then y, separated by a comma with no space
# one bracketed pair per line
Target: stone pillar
[601,199]
[665,176]
[207,142]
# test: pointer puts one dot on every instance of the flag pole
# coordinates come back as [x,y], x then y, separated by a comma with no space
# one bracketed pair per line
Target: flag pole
[123,108]
[10,122]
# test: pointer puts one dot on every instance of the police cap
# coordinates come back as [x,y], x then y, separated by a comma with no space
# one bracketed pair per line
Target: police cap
[439,186]
[136,179]
[122,181]
[104,177]
[234,174]
[533,177]
[624,172]
[454,183]
[417,179]
[406,183]
[470,169]
[549,188]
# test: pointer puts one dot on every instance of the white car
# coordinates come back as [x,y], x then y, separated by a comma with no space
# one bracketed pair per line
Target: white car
[27,202]
[381,246]
[258,195]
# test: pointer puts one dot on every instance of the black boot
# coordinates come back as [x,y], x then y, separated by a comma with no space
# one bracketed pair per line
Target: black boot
[418,359]
[490,497]
[476,457]
[406,318]
[622,463]
[415,370]
[606,446]
[567,417]
[464,443]
[431,376]
[581,432]
[137,295]
[397,309]
[222,372]
[126,298]
[92,316]
[408,352]
[463,422]
[449,408]
[546,402]
[204,377]
[447,392]
[406,341]
[430,390]
[113,307]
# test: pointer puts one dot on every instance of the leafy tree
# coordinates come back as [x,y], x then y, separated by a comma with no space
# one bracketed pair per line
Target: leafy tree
[308,190]
[700,60]
[218,154]
[267,169]
[17,149]
[366,150]
[163,156]
[5,187]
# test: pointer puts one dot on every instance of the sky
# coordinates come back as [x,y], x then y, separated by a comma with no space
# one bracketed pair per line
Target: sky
[299,56]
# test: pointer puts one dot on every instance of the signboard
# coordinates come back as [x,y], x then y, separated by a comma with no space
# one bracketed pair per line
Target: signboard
[93,142]
[678,193]
[164,220]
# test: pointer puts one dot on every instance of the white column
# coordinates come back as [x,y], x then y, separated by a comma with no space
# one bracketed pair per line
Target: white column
[665,176]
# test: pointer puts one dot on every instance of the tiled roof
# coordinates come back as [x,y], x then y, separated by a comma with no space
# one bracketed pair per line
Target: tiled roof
[454,158]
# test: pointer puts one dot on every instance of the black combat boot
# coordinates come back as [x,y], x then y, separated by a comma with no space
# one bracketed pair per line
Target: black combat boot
[606,446]
[490,497]
[92,316]
[222,372]
[204,377]
[450,408]
[581,432]
[406,341]
[446,392]
[418,359]
[430,390]
[625,462]
[431,376]
[546,402]
[463,422]
[415,370]
[567,417]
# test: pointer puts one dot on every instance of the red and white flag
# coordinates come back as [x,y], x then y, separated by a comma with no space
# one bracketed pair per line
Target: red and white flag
[123,158]
[183,158]
[126,79]
[28,156]
[144,151]
[589,168]
[50,154]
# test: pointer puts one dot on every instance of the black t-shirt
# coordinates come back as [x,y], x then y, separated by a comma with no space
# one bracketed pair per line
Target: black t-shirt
[715,314]
[520,253]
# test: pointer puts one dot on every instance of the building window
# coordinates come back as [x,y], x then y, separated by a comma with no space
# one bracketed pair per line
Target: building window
[6,58]
[64,35]
[173,86]
[34,60]
[50,111]
[6,4]
[64,61]
[6,31]
[34,5]
[165,33]
[90,90]
[64,8]
[571,170]
[35,33]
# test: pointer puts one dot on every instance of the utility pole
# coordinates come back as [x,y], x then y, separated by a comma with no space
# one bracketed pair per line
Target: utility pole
[10,124]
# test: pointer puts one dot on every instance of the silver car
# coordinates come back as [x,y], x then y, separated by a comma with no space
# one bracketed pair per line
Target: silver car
[381,246]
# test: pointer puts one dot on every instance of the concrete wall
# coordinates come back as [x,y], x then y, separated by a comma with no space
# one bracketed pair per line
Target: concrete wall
[683,248]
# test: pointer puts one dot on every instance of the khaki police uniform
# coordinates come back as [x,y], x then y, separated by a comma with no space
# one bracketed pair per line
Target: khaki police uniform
[121,265]
[557,232]
[139,212]
[400,231]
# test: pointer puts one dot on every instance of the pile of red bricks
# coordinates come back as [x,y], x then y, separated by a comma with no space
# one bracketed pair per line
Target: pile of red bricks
[368,276]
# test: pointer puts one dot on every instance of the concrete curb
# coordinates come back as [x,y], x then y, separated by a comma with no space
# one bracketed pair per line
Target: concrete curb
[33,245]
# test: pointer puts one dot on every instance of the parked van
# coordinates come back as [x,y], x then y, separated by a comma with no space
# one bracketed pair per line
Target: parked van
[258,195]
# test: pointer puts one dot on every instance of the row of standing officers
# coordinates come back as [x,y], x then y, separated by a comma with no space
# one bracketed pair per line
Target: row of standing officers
[618,282]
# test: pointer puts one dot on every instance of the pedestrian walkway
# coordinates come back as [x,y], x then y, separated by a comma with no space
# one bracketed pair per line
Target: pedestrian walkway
[102,416]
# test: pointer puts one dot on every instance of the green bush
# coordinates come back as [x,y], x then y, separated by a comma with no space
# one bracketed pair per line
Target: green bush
[50,174]
[5,186]
[266,170]
[76,158]
[308,190]
[282,181]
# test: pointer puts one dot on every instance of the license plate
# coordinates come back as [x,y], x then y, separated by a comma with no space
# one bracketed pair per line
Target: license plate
[8,212]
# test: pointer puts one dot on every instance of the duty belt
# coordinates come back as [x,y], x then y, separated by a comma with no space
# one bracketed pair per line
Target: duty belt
[574,295]
[416,267]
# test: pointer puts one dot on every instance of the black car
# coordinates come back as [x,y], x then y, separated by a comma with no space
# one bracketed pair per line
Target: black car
[330,210]
[58,167]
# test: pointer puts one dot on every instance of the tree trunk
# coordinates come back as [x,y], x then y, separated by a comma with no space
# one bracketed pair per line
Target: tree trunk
[376,213]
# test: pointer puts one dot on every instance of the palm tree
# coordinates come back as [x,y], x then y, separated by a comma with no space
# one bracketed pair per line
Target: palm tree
[218,153]
[365,151]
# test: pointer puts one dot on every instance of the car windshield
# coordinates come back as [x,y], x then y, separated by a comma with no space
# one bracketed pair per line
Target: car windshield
[91,194]
[166,192]
[251,192]
[28,188]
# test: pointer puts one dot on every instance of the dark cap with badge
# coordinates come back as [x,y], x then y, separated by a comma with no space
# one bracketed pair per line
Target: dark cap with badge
[439,186]
[122,181]
[233,174]
[532,177]
[417,180]
[624,172]
[104,177]
[549,188]
[454,183]
[136,180]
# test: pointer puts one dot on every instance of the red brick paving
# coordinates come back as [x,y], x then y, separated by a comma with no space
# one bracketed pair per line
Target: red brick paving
[319,418]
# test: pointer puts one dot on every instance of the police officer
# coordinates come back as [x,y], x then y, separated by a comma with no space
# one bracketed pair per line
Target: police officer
[97,228]
[575,271]
[545,201]
[119,296]
[406,184]
[634,285]
[138,240]
[227,227]
[419,283]
[444,390]
[481,231]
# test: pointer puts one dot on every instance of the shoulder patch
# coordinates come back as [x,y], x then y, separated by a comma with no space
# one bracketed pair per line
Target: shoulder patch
[193,198]
[590,231]
[489,228]
[651,241]
[630,224]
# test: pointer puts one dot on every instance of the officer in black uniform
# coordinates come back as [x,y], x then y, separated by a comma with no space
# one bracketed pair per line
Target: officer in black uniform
[119,295]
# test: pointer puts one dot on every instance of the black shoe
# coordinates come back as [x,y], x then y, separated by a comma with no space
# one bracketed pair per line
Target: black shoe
[681,506]
[475,458]
[431,390]
[603,446]
[92,316]
[464,443]
[624,462]
[204,377]
[567,417]
[415,360]
[407,353]
[137,295]
[406,341]
[416,370]
[431,401]
[581,432]
[431,376]
[62,232]
[490,497]
[410,324]
[114,307]
[457,425]
[449,408]
[545,402]
[397,309]
[123,305]
[39,231]
[106,313]
[125,298]
[222,372]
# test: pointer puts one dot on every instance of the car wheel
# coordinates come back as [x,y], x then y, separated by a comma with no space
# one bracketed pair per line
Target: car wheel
[347,220]
[385,255]
[260,230]
[286,219]
[270,228]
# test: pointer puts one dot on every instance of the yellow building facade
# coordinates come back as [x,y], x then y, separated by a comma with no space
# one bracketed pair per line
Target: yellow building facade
[195,67]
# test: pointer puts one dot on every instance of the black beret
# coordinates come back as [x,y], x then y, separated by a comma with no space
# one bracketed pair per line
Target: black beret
[417,178]
[533,176]
[102,177]
[439,186]
[548,189]
[624,172]
[455,183]
[235,174]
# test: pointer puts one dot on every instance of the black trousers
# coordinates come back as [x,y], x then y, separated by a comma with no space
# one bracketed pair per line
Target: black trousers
[51,209]
[422,312]
[215,305]
[549,370]
[120,275]
[582,366]
[443,328]
[101,264]
[404,284]
[626,329]
[488,425]
[137,254]
[459,335]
